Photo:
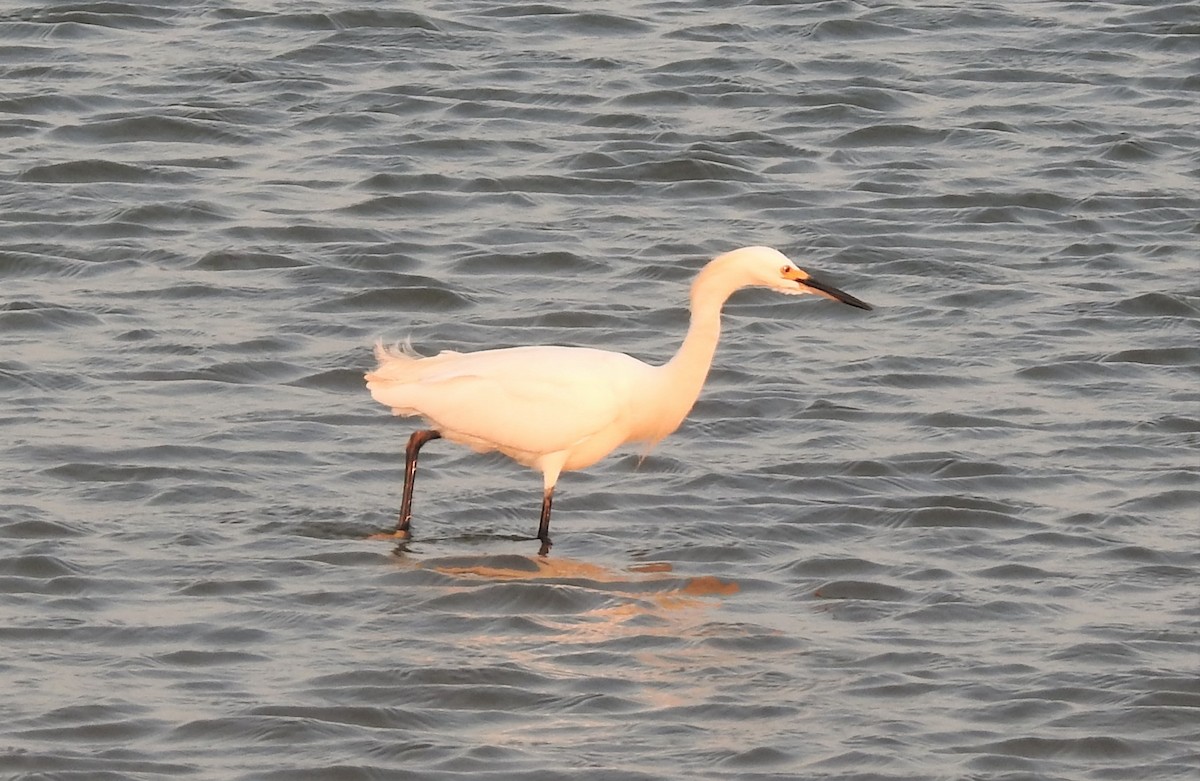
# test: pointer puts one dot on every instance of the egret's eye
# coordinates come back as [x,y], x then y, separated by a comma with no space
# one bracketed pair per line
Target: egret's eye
[785,270]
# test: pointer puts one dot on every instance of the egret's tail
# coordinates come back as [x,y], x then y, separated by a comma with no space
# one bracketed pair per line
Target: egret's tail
[396,381]
[397,363]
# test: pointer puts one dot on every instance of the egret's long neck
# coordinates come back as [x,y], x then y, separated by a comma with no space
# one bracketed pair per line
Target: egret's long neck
[686,372]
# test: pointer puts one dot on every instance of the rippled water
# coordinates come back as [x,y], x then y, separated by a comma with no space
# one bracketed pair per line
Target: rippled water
[956,537]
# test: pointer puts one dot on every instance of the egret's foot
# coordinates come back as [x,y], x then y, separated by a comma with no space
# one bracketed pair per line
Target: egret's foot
[545,549]
[395,534]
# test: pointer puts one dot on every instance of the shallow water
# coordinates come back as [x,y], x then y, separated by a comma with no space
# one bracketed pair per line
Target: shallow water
[956,537]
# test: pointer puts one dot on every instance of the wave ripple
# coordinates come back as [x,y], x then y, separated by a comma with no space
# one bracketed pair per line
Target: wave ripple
[953,538]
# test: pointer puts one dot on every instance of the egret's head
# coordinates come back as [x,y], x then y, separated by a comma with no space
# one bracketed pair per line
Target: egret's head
[766,267]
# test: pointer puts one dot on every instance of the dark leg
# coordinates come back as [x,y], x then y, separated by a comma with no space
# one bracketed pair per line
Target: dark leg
[544,524]
[410,473]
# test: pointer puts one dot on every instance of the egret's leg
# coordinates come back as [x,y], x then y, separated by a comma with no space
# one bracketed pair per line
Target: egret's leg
[544,524]
[410,473]
[551,466]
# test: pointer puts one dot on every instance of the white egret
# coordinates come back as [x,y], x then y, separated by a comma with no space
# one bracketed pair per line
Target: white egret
[556,409]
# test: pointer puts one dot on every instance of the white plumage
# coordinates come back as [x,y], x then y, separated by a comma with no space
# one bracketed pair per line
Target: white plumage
[557,409]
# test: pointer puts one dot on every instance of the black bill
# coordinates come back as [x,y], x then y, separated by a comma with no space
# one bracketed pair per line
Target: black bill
[829,291]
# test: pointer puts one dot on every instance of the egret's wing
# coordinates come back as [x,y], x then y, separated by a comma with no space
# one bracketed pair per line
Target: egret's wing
[531,400]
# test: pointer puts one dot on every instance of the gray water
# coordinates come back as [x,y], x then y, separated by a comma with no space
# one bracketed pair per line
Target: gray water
[955,537]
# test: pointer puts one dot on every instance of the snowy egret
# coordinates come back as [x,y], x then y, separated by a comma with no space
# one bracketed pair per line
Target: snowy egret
[556,409]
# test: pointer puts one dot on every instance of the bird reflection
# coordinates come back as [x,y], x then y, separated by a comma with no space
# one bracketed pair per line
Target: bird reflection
[635,583]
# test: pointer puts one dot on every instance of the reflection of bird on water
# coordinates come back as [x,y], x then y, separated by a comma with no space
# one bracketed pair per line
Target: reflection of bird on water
[562,408]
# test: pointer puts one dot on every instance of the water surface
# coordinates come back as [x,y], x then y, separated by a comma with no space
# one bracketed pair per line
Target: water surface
[954,537]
